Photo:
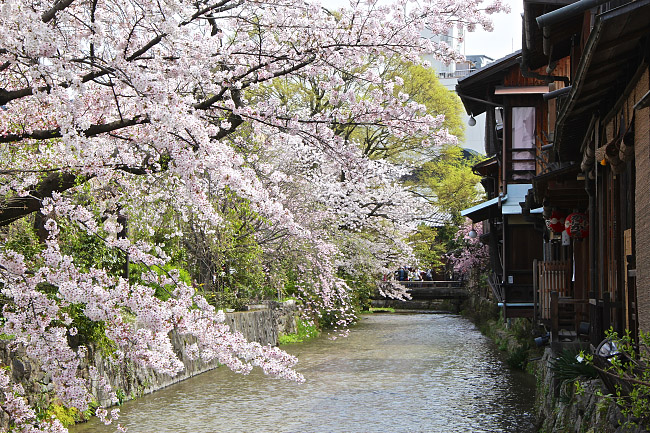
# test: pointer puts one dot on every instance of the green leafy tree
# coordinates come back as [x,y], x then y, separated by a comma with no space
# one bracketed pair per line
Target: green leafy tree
[423,86]
[227,264]
[420,85]
[427,247]
[448,181]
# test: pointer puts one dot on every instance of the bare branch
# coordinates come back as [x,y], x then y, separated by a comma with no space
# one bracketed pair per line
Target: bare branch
[97,129]
[58,6]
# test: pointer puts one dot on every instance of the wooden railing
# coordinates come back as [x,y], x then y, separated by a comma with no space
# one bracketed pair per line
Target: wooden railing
[430,290]
[552,276]
[497,288]
[446,284]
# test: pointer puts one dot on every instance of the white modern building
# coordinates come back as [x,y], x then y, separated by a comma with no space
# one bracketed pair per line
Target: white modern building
[449,75]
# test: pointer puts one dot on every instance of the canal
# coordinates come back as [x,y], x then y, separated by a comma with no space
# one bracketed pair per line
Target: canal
[393,373]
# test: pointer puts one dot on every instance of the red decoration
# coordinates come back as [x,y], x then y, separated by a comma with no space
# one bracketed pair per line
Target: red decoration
[556,222]
[577,225]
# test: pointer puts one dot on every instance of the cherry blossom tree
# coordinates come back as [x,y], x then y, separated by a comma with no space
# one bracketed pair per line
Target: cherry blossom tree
[129,106]
[472,254]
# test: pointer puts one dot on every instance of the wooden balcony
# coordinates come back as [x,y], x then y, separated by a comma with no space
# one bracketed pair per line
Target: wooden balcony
[552,276]
[555,303]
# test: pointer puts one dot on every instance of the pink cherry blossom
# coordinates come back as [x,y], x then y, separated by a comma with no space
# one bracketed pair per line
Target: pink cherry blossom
[157,107]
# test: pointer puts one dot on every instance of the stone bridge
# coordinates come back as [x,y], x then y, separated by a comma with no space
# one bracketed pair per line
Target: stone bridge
[426,295]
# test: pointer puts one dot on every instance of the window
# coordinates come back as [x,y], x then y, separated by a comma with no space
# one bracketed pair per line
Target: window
[523,142]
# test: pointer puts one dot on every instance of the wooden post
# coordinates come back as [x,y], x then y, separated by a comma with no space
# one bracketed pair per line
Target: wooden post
[631,289]
[607,312]
[555,316]
[535,294]
[626,298]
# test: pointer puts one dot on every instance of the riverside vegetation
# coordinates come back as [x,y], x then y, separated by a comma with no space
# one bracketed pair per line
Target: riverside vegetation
[576,392]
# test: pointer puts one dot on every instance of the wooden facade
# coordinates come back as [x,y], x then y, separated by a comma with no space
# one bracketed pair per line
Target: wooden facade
[594,128]
[591,157]
[514,241]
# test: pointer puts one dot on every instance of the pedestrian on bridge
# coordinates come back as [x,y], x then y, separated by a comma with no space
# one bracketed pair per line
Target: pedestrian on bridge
[402,274]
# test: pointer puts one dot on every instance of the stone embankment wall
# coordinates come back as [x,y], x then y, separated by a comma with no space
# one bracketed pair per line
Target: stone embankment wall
[558,408]
[452,306]
[561,410]
[263,324]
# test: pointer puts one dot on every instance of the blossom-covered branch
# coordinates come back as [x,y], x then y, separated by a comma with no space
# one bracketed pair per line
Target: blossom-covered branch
[152,108]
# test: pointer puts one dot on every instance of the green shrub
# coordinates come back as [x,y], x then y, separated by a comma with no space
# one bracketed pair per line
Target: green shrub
[381,310]
[304,332]
[518,358]
[68,415]
[567,367]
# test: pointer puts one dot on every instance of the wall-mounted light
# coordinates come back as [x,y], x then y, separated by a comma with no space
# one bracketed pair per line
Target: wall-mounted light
[472,233]
[471,121]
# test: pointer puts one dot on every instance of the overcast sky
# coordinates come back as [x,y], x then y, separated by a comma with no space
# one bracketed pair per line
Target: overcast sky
[505,38]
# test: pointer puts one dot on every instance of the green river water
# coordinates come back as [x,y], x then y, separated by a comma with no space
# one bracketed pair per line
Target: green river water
[393,373]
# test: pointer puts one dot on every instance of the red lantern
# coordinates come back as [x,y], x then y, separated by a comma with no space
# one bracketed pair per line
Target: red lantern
[577,225]
[556,222]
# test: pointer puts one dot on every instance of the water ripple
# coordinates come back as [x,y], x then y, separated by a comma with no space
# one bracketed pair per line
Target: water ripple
[394,373]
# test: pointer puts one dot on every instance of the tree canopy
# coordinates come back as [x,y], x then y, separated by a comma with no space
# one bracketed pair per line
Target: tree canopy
[448,181]
[155,111]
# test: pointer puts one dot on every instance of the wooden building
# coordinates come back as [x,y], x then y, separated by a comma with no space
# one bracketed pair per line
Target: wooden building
[596,146]
[512,103]
[589,165]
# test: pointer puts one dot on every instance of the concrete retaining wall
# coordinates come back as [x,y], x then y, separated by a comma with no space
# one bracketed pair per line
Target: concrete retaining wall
[262,325]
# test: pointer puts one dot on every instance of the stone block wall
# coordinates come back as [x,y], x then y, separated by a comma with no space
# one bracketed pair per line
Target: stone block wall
[263,325]
[560,410]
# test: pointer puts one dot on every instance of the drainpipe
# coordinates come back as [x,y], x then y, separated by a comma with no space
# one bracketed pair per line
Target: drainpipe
[556,93]
[547,48]
[567,11]
[525,69]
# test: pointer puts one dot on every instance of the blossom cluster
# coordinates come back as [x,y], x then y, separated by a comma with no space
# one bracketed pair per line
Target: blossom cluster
[473,253]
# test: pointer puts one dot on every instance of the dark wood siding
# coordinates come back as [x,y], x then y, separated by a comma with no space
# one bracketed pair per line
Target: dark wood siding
[523,245]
